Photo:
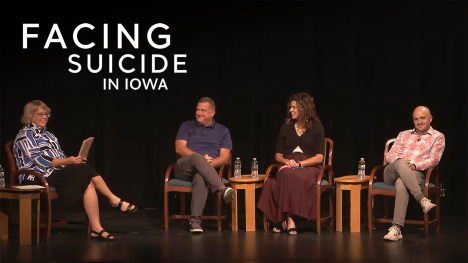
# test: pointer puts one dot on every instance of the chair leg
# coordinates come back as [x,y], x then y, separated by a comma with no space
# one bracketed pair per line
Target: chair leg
[330,209]
[182,206]
[386,208]
[218,212]
[426,225]
[370,211]
[437,212]
[319,216]
[166,210]
[48,218]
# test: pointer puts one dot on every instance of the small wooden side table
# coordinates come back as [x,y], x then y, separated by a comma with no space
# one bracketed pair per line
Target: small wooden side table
[354,185]
[249,184]
[25,196]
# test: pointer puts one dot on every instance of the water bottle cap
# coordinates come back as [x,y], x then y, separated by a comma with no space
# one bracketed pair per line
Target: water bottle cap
[255,159]
[238,158]
[362,159]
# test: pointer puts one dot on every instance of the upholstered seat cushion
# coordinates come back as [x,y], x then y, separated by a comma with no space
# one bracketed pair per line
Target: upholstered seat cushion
[384,186]
[182,183]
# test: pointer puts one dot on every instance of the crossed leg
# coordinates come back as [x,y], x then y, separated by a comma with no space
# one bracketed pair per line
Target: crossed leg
[91,206]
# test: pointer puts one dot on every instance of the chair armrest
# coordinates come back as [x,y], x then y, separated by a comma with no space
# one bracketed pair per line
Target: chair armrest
[373,173]
[225,168]
[434,173]
[38,176]
[325,169]
[270,168]
[168,173]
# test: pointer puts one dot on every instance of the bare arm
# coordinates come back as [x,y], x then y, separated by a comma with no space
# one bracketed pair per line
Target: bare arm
[280,159]
[66,161]
[181,148]
[316,159]
[222,158]
[290,162]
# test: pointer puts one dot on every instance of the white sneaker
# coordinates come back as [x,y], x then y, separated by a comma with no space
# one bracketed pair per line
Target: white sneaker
[426,205]
[394,234]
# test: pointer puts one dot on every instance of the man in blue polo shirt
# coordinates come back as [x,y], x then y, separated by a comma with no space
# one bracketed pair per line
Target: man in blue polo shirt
[203,145]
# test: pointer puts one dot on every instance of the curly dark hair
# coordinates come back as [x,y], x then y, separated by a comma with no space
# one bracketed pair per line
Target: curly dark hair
[306,107]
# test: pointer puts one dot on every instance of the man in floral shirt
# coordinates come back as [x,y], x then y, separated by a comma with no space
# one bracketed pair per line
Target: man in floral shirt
[413,152]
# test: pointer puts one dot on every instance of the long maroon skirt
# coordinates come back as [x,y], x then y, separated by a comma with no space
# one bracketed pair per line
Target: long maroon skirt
[292,191]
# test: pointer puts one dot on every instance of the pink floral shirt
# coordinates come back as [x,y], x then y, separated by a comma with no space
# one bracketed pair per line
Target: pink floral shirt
[424,150]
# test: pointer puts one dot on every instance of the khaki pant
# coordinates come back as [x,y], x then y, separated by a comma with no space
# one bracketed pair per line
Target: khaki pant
[405,180]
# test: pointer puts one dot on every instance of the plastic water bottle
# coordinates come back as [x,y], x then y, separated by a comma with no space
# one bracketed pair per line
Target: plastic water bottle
[254,168]
[2,177]
[362,169]
[237,168]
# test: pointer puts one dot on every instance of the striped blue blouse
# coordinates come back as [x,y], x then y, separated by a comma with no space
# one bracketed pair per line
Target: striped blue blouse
[35,149]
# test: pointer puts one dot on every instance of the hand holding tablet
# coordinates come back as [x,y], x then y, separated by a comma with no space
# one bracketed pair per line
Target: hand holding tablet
[85,147]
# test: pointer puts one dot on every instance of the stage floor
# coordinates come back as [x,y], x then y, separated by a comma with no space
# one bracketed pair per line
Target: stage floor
[142,238]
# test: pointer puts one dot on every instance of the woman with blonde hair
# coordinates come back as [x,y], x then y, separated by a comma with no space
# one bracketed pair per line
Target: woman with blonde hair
[37,149]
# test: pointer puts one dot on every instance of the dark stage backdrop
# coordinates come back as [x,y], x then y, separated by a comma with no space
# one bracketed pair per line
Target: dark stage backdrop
[367,64]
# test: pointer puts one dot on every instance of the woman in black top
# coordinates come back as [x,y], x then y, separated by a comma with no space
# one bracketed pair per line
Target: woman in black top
[299,152]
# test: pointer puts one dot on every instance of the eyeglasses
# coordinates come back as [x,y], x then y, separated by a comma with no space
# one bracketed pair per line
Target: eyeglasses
[43,114]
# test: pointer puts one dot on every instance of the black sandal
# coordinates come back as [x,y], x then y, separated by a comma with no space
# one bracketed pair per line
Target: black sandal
[276,230]
[292,229]
[280,228]
[128,210]
[99,236]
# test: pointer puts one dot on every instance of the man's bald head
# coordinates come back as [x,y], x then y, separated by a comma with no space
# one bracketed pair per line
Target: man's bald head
[422,119]
[423,109]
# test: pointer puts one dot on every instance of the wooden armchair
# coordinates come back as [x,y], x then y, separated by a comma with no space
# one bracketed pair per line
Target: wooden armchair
[325,184]
[48,195]
[182,187]
[378,187]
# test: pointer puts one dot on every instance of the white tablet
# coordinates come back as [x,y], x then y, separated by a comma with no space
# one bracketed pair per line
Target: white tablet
[85,147]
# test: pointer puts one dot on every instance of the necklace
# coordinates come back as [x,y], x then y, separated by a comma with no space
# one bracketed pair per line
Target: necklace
[298,129]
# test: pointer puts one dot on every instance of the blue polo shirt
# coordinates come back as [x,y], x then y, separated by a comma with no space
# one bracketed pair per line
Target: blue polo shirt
[205,140]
